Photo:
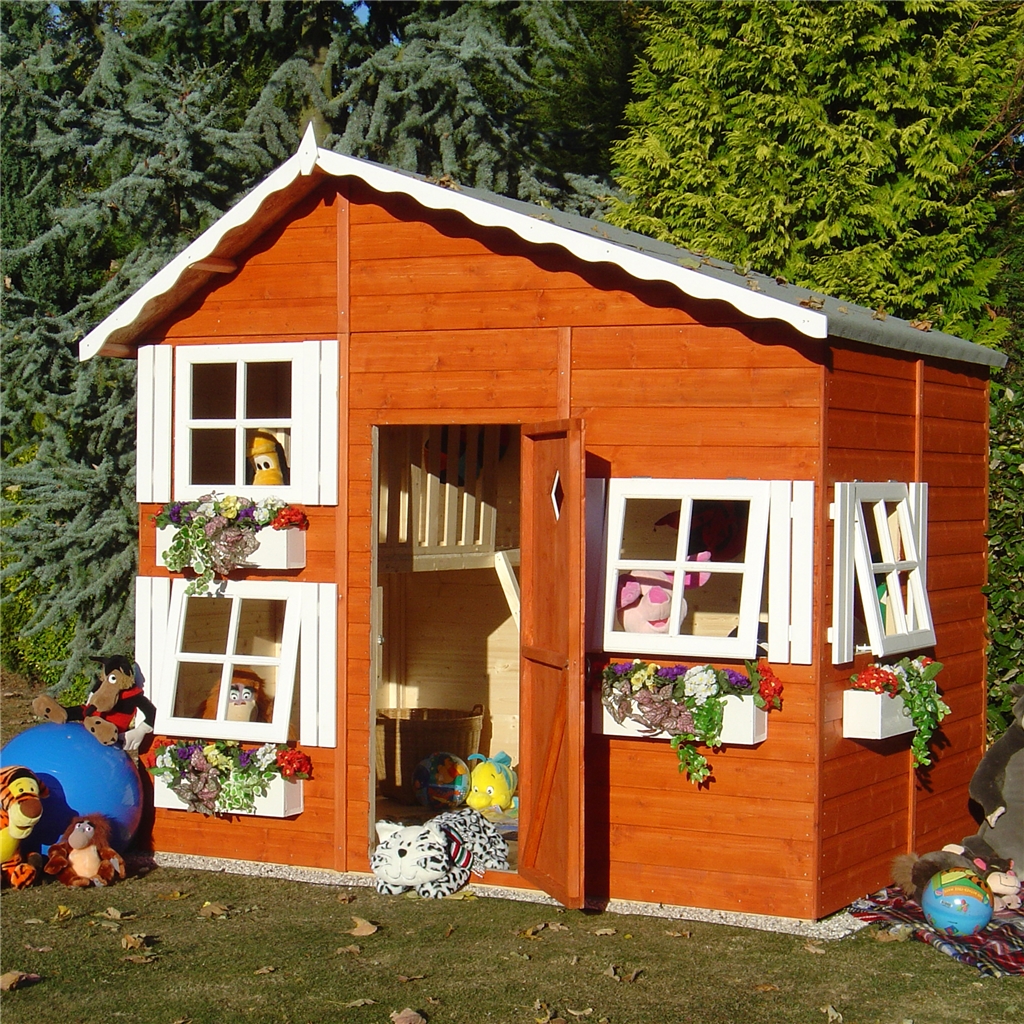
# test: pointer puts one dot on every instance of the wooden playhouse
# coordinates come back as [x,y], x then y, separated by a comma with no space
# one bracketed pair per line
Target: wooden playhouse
[491,411]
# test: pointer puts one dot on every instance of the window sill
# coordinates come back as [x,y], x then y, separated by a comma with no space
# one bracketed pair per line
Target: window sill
[283,799]
[874,716]
[279,549]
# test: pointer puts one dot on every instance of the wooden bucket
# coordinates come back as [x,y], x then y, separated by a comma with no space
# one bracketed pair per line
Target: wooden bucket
[405,736]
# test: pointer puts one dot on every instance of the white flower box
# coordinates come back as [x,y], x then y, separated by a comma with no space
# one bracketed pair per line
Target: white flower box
[743,723]
[279,549]
[282,800]
[874,716]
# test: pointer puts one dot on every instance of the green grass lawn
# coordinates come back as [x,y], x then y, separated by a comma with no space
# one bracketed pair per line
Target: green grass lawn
[281,951]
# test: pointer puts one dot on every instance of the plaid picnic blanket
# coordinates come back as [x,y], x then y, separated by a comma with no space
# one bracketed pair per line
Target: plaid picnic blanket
[996,951]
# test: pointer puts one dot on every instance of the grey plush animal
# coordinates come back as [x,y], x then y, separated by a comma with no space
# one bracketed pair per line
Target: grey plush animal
[998,785]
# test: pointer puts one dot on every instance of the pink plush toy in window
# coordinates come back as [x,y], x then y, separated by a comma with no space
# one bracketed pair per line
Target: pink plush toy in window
[644,603]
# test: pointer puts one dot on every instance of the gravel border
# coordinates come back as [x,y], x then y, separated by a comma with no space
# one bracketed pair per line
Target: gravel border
[837,926]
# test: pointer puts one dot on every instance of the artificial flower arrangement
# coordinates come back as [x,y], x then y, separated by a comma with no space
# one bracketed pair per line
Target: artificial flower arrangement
[216,535]
[222,776]
[914,681]
[686,702]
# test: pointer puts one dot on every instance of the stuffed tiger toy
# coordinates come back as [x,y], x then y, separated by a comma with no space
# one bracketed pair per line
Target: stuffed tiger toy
[436,858]
[21,807]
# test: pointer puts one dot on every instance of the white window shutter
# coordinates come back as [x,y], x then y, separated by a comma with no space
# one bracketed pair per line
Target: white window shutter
[153,424]
[152,601]
[327,665]
[801,633]
[780,538]
[329,425]
[842,573]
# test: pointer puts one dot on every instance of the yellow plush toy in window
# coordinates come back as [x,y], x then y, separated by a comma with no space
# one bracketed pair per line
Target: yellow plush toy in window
[267,460]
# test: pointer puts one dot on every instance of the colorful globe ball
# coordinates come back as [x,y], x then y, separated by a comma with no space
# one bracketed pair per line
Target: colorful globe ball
[441,781]
[83,777]
[957,902]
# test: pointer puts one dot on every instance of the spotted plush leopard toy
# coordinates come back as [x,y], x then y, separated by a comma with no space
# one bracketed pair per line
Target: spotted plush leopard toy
[437,857]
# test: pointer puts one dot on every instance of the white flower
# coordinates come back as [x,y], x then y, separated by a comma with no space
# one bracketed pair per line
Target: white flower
[266,755]
[700,683]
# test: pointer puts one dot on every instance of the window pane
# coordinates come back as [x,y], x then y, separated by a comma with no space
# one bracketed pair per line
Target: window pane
[213,457]
[197,691]
[260,628]
[718,527]
[644,601]
[251,694]
[206,626]
[268,390]
[267,456]
[713,609]
[650,528]
[213,391]
[874,545]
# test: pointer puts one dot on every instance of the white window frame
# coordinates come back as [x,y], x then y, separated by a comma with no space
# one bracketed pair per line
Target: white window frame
[853,566]
[751,568]
[313,462]
[310,626]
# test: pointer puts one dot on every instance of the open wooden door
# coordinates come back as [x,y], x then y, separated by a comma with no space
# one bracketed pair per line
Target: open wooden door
[552,694]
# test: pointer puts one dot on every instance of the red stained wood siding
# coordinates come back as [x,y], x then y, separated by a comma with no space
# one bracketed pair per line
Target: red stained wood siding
[448,322]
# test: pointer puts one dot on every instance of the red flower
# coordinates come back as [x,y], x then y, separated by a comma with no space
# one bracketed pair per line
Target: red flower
[149,758]
[294,764]
[878,679]
[290,516]
[770,686]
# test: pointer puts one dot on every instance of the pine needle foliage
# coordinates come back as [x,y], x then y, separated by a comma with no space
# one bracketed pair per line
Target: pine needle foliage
[128,127]
[853,147]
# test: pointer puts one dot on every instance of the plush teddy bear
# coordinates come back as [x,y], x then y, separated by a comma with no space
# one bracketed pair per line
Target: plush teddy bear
[115,701]
[21,807]
[998,785]
[84,855]
[437,857]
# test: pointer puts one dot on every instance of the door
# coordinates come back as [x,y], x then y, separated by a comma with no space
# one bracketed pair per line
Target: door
[552,690]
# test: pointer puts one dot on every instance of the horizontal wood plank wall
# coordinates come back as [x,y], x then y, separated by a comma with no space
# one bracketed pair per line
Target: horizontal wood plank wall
[887,418]
[456,324]
[267,299]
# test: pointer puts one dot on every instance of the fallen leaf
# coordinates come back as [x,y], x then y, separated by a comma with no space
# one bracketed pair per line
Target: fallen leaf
[574,961]
[407,1016]
[63,913]
[133,942]
[361,1002]
[633,975]
[834,1016]
[346,897]
[35,920]
[557,926]
[213,910]
[605,931]
[679,935]
[264,970]
[404,978]
[353,949]
[448,932]
[766,987]
[38,949]
[111,926]
[138,958]
[580,1013]
[898,933]
[812,948]
[113,914]
[174,895]
[532,931]
[613,973]
[540,1007]
[362,927]
[182,1020]
[522,956]
[433,1001]
[462,895]
[17,979]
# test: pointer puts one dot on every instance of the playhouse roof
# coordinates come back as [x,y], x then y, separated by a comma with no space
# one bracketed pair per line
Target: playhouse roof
[756,295]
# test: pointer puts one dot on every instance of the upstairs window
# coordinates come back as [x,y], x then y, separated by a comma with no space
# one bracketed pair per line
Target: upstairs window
[880,598]
[257,420]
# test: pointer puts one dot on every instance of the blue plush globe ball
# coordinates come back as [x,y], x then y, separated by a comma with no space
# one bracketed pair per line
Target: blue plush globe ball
[957,902]
[441,781]
[83,777]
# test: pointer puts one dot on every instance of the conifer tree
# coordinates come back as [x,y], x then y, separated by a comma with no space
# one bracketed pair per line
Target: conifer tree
[851,147]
